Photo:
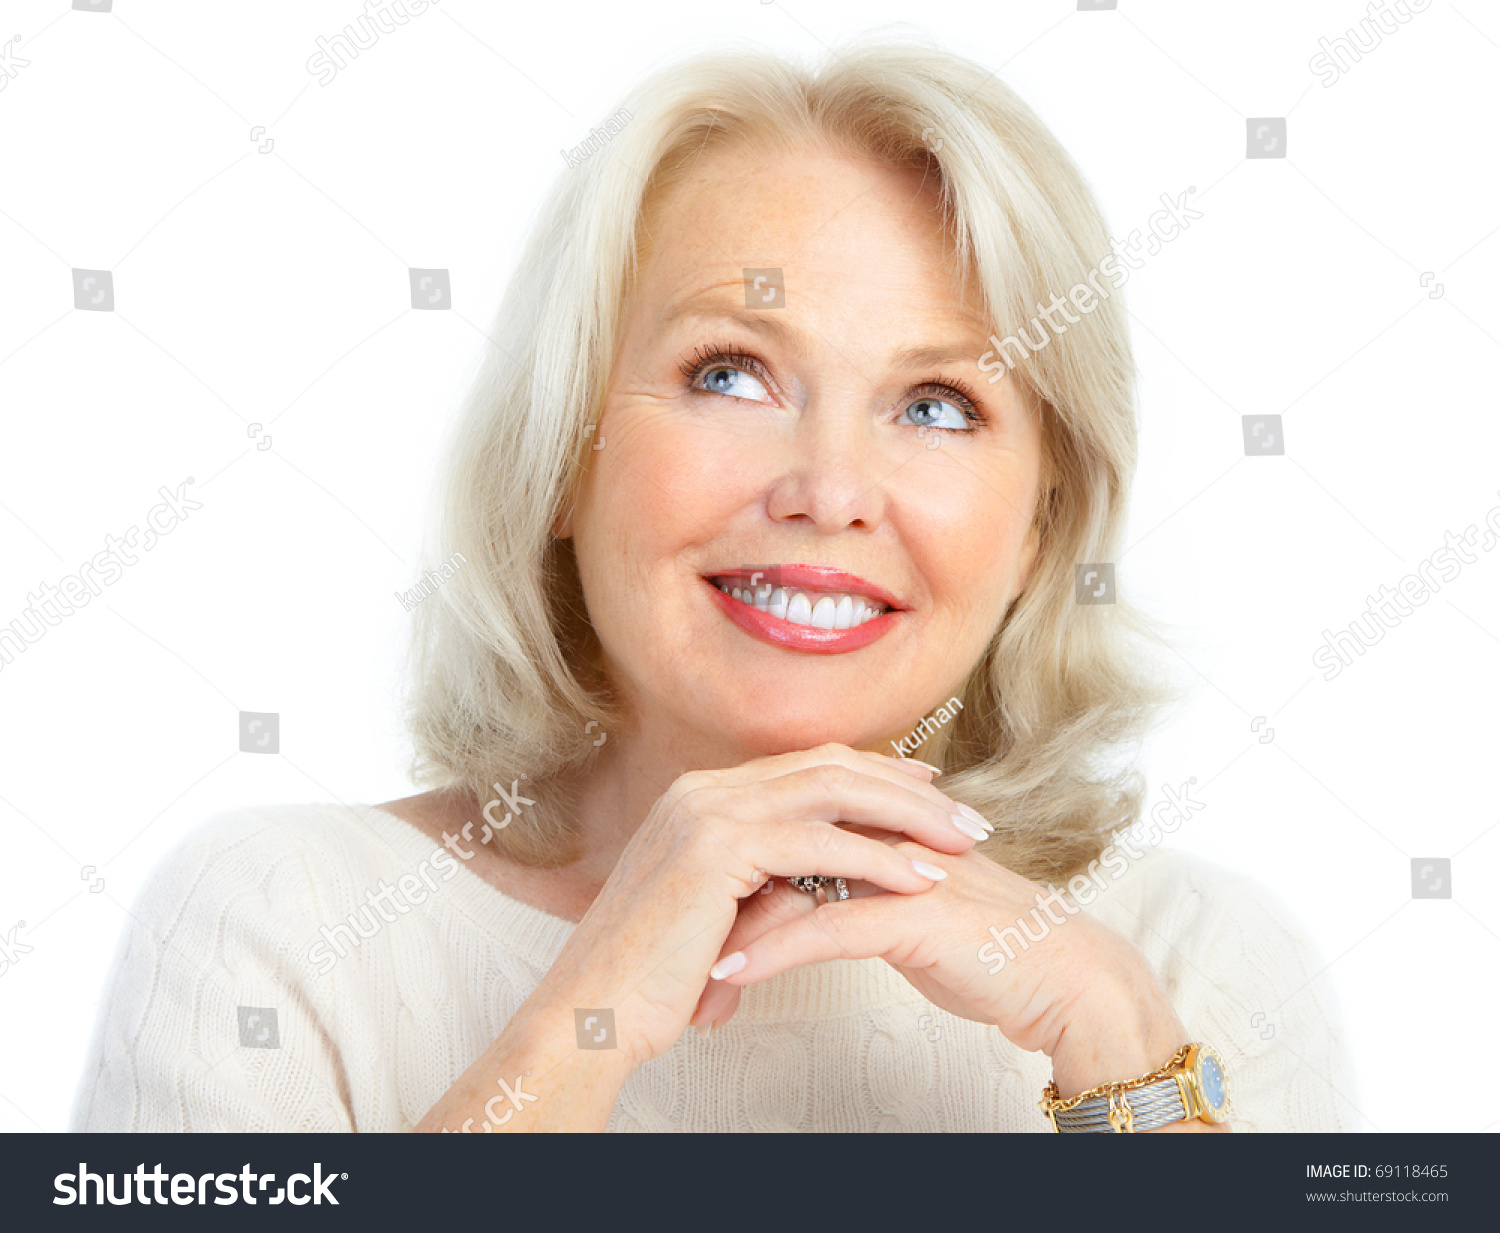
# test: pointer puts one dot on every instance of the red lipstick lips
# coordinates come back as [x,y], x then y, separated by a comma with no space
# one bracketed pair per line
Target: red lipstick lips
[788,634]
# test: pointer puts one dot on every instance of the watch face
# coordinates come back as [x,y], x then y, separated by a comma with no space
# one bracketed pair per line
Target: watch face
[1212,1077]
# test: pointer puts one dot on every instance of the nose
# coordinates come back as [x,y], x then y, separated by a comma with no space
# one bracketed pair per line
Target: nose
[834,470]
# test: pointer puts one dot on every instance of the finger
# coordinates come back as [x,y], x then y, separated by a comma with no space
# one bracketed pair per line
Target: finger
[757,915]
[716,1006]
[834,793]
[853,929]
[805,849]
[863,890]
[924,772]
[903,771]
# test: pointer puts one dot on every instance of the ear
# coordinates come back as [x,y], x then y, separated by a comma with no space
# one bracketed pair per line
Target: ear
[1046,486]
[1030,551]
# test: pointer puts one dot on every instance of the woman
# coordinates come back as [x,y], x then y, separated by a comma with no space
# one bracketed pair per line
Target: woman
[741,522]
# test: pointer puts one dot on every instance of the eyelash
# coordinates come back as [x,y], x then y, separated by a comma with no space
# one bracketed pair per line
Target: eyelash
[958,393]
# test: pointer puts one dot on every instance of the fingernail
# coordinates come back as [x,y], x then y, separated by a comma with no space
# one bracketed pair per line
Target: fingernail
[974,816]
[914,762]
[971,829]
[704,1028]
[931,872]
[731,964]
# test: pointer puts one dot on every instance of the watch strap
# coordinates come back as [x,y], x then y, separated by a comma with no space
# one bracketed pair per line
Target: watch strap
[1144,1108]
[1166,1095]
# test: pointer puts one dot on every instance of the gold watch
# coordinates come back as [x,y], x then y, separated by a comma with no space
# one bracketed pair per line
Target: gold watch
[1192,1085]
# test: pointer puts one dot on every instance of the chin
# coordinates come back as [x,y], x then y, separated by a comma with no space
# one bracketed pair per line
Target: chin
[769,735]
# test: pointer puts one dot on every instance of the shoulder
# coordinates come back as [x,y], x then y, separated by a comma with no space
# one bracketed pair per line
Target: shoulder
[276,868]
[1194,918]
[326,837]
[1244,975]
[221,942]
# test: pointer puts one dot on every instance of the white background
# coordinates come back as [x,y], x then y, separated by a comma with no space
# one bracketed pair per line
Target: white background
[271,289]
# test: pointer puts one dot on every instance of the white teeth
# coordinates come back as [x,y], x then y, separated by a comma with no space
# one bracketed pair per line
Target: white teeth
[817,610]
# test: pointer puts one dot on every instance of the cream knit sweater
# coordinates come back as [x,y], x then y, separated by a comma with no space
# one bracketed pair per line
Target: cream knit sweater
[244,917]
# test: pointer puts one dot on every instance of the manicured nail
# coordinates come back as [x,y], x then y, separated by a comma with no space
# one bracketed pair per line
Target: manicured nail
[935,770]
[974,816]
[731,964]
[705,1028]
[971,829]
[931,872]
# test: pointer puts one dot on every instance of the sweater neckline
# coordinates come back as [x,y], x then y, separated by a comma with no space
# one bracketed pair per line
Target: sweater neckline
[536,934]
[817,991]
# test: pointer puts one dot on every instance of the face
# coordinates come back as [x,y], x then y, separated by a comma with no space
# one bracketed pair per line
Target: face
[830,454]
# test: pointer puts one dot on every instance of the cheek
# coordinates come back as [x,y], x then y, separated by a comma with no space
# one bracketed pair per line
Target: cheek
[657,487]
[966,536]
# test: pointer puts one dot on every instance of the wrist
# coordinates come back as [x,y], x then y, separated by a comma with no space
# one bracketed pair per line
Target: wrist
[1117,1030]
[591,1027]
[1189,1093]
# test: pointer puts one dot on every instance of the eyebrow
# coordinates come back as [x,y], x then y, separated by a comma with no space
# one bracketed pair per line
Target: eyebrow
[780,333]
[749,319]
[933,357]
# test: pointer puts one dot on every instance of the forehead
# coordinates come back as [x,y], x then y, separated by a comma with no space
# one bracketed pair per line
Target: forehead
[823,214]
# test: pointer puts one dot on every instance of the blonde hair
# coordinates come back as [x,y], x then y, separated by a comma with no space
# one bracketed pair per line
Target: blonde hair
[504,666]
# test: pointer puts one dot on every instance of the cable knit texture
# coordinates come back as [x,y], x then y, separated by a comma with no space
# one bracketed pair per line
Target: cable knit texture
[236,916]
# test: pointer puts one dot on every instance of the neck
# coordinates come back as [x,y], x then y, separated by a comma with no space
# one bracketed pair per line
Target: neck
[632,771]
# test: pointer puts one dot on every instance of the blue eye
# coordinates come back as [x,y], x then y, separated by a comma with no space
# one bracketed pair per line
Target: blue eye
[936,413]
[732,382]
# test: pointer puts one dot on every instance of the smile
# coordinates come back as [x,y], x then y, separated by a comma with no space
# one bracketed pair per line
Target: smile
[815,609]
[805,608]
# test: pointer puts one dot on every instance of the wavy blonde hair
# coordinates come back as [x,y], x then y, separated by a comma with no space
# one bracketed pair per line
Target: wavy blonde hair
[504,676]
